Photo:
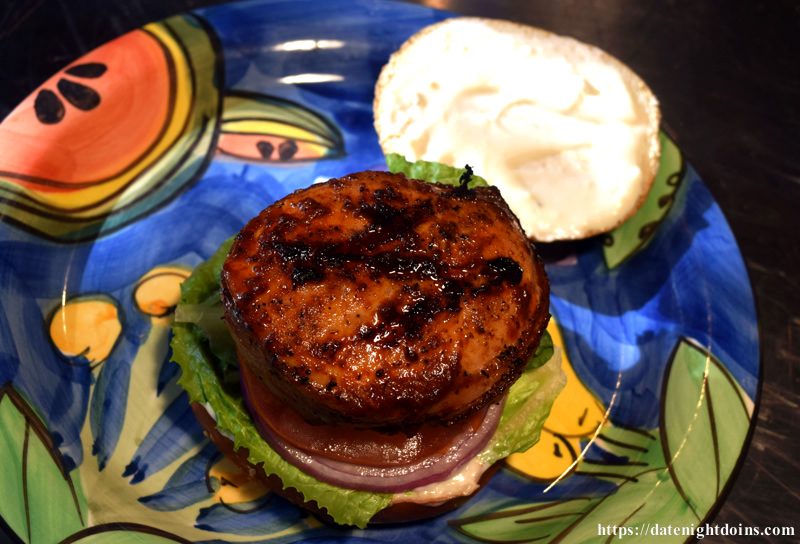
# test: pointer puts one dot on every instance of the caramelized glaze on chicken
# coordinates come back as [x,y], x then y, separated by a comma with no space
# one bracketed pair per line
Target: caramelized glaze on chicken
[384,302]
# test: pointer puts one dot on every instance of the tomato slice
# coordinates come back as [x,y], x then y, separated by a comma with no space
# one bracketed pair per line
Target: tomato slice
[348,444]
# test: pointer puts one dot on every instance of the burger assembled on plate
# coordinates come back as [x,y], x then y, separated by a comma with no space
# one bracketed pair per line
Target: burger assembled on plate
[372,345]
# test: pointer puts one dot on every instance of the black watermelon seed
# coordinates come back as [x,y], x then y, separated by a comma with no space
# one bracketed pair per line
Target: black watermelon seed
[287,150]
[89,70]
[48,107]
[80,96]
[265,148]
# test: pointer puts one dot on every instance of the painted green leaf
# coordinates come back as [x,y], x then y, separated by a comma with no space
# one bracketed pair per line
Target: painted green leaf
[668,477]
[123,533]
[633,507]
[705,420]
[635,233]
[638,468]
[640,449]
[526,522]
[42,503]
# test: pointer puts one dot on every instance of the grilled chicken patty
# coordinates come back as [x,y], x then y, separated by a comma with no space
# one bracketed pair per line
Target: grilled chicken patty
[384,302]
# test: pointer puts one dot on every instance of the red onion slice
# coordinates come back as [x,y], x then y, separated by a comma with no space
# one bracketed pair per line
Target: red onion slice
[392,479]
[388,479]
[348,444]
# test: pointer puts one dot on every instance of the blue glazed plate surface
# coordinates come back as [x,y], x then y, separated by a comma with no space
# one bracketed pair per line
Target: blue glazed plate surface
[226,110]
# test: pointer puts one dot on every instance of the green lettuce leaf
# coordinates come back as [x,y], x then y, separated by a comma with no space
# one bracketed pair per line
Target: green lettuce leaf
[208,315]
[431,171]
[205,360]
[527,405]
[201,381]
[544,352]
[202,378]
[205,277]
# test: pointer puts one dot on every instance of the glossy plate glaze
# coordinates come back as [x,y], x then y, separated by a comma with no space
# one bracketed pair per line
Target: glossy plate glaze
[134,163]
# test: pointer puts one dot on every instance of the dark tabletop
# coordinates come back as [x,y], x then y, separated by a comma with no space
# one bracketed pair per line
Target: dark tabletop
[728,78]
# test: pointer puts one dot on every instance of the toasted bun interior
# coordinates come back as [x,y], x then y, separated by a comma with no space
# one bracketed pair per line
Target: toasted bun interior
[568,133]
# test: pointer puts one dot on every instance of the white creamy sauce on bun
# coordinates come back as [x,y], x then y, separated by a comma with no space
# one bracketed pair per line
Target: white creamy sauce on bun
[566,132]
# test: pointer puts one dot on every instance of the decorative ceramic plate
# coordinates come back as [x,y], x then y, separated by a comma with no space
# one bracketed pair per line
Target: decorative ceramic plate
[132,165]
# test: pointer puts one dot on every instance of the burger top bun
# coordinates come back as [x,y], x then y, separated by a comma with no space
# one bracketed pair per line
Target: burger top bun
[567,133]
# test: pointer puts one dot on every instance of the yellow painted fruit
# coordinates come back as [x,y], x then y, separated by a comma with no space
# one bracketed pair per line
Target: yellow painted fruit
[234,484]
[158,291]
[576,414]
[86,327]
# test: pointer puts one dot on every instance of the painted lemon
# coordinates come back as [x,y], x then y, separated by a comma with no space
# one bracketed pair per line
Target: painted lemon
[232,485]
[576,415]
[86,328]
[158,291]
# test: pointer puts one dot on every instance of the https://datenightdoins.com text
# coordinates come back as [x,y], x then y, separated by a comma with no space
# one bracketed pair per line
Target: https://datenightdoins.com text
[698,531]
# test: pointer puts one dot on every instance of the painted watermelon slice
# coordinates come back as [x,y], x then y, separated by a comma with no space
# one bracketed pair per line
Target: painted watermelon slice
[114,135]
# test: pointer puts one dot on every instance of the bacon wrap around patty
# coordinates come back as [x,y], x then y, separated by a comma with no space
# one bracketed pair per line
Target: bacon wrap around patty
[383,302]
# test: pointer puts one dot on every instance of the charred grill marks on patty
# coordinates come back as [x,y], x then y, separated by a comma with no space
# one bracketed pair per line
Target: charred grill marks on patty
[377,300]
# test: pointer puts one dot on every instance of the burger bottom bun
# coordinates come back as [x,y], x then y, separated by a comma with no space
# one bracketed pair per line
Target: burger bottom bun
[403,512]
